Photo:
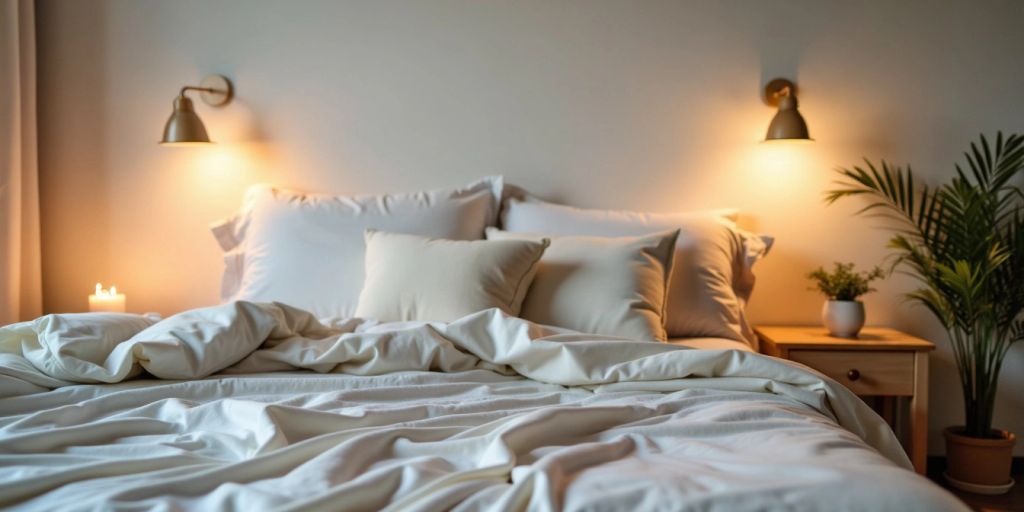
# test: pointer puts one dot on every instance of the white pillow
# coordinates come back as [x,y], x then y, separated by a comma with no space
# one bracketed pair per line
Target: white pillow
[712,275]
[306,250]
[413,278]
[600,285]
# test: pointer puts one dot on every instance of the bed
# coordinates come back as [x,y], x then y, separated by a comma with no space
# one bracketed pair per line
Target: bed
[576,360]
[488,412]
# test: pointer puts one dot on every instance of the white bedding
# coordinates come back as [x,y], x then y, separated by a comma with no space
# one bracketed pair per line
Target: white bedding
[488,412]
[711,344]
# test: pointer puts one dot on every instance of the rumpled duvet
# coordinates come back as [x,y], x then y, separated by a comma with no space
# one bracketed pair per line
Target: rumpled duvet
[249,406]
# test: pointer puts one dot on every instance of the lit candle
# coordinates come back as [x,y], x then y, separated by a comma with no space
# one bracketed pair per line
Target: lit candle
[106,300]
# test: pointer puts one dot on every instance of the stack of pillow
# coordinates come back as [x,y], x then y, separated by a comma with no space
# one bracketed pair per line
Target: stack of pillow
[438,256]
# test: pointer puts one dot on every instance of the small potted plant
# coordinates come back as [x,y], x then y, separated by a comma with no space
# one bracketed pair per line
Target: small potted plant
[842,313]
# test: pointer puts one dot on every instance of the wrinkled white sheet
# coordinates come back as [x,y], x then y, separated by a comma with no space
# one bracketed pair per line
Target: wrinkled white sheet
[488,412]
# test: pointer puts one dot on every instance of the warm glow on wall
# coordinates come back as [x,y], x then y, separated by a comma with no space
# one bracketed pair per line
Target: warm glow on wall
[217,174]
[779,161]
[764,172]
[223,161]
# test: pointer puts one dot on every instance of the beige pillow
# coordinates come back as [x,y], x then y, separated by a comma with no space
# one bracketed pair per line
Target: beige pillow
[611,286]
[712,276]
[411,277]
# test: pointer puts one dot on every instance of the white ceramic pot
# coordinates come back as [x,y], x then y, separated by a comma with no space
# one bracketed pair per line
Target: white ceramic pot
[843,318]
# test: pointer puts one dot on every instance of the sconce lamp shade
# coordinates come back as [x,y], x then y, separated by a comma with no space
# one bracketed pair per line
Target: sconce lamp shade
[184,126]
[787,124]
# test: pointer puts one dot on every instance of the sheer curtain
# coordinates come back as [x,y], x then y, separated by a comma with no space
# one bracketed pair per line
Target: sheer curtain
[20,273]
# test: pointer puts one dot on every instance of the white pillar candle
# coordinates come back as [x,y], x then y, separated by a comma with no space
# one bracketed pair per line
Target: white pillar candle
[106,300]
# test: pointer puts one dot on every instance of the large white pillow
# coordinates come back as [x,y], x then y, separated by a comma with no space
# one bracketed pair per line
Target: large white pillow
[600,285]
[414,278]
[306,250]
[712,275]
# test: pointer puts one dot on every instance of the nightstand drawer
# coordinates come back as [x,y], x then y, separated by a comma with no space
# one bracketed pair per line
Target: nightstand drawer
[864,373]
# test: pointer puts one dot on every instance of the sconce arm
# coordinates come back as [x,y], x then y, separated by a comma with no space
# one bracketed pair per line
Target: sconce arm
[214,90]
[196,88]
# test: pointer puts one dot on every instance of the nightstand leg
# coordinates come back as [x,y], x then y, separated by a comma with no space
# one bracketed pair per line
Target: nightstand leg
[886,408]
[919,413]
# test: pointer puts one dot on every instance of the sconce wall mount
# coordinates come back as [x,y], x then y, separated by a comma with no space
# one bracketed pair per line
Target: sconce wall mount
[787,124]
[184,128]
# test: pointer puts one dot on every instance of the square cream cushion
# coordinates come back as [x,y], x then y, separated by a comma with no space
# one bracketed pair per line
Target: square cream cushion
[600,285]
[712,275]
[306,250]
[414,278]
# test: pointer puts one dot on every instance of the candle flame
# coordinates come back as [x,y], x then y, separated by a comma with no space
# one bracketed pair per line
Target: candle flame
[100,292]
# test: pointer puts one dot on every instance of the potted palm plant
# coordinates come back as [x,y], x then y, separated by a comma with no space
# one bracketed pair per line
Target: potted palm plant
[963,240]
[842,313]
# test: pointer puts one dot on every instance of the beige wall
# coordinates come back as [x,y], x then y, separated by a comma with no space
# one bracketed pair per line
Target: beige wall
[647,105]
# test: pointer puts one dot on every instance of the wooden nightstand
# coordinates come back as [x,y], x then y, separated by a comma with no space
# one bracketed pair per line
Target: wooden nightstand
[882,362]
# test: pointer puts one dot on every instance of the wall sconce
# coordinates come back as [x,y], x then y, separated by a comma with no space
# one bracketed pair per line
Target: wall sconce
[787,124]
[184,128]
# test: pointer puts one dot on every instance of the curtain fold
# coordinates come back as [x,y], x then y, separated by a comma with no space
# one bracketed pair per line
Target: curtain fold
[20,262]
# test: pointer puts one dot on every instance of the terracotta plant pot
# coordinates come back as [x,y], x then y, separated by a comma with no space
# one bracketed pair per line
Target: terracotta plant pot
[979,462]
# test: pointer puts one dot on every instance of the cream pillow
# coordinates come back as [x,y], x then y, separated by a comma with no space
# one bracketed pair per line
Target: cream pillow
[414,278]
[600,285]
[712,274]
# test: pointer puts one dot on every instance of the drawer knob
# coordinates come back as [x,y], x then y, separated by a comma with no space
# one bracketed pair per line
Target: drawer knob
[853,374]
